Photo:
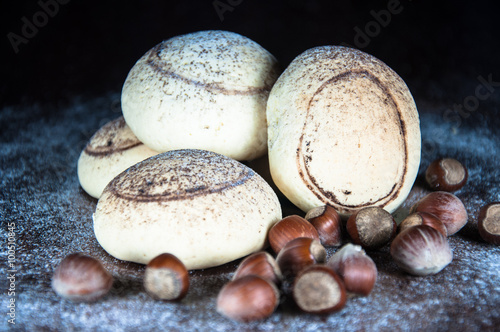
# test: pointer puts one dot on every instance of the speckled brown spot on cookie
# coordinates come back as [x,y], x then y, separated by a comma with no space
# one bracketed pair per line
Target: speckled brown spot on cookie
[168,177]
[113,137]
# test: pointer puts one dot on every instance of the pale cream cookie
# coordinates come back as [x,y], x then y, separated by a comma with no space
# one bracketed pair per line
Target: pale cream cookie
[111,150]
[204,90]
[344,131]
[202,207]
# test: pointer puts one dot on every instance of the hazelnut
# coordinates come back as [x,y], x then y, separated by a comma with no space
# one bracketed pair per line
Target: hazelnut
[423,218]
[489,223]
[290,228]
[166,278]
[357,270]
[318,289]
[421,250]
[81,278]
[261,264]
[446,174]
[299,253]
[327,222]
[371,227]
[248,298]
[446,207]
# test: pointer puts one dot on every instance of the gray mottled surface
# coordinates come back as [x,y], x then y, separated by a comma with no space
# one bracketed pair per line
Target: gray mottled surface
[39,192]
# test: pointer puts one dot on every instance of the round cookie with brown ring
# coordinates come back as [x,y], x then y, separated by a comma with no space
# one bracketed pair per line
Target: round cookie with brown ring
[110,151]
[203,207]
[343,130]
[204,90]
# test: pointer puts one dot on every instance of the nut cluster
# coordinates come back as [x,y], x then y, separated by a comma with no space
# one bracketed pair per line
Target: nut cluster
[300,268]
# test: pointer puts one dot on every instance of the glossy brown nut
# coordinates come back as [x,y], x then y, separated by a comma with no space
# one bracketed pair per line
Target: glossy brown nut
[371,227]
[421,250]
[299,253]
[248,298]
[290,228]
[81,278]
[423,218]
[328,224]
[357,270]
[489,223]
[318,289]
[261,264]
[446,207]
[446,174]
[166,278]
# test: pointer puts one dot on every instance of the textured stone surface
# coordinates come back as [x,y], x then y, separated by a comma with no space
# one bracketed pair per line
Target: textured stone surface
[39,192]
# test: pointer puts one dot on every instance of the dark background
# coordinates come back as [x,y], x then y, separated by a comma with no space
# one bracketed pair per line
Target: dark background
[88,47]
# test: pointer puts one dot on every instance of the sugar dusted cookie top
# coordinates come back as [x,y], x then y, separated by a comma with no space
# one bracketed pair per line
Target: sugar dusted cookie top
[203,207]
[204,90]
[343,131]
[111,150]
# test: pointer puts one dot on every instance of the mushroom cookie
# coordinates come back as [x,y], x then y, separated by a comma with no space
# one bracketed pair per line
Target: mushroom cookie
[344,131]
[111,150]
[205,90]
[203,207]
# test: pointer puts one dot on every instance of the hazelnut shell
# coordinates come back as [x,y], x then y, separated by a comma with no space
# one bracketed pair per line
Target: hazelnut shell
[446,207]
[318,289]
[328,224]
[423,218]
[81,278]
[421,250]
[261,264]
[289,228]
[357,270]
[371,227]
[489,223]
[248,298]
[166,278]
[446,174]
[298,254]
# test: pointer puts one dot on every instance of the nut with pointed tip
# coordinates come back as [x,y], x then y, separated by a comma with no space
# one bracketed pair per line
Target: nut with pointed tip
[371,227]
[423,218]
[299,253]
[489,223]
[81,278]
[446,174]
[318,289]
[166,278]
[421,250]
[261,264]
[357,270]
[248,298]
[327,222]
[446,207]
[290,228]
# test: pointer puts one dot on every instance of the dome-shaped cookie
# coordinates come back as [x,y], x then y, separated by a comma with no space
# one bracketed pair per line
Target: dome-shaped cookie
[200,206]
[204,90]
[110,151]
[343,131]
